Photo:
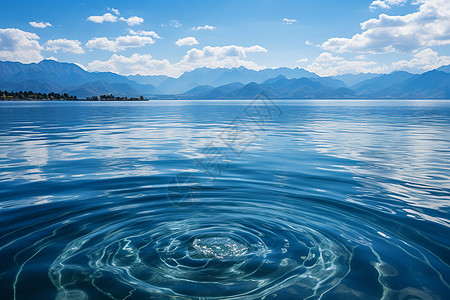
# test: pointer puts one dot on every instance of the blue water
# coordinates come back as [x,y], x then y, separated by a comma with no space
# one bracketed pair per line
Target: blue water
[225,200]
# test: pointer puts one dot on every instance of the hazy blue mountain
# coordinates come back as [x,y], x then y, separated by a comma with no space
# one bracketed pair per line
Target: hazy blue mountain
[219,92]
[199,90]
[278,88]
[53,71]
[189,80]
[372,86]
[102,87]
[52,76]
[352,79]
[330,82]
[249,91]
[45,71]
[154,80]
[9,69]
[31,85]
[244,75]
[240,83]
[430,85]
[445,69]
[222,76]
[305,88]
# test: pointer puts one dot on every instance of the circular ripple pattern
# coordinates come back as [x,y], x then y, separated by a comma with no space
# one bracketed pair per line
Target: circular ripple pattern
[235,256]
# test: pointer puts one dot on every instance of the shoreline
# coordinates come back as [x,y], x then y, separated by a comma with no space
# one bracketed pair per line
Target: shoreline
[235,99]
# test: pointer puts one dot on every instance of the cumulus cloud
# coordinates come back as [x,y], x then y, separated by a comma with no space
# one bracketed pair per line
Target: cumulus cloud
[429,26]
[214,53]
[18,45]
[211,57]
[145,33]
[40,24]
[131,21]
[425,60]
[308,43]
[218,57]
[64,45]
[289,21]
[328,65]
[386,4]
[187,41]
[108,17]
[116,11]
[120,43]
[142,64]
[206,27]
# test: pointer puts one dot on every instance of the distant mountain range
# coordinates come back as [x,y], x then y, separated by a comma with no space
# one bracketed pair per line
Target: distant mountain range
[217,77]
[237,83]
[397,85]
[51,76]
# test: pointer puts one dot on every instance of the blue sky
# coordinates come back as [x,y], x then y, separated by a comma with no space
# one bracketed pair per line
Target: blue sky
[327,37]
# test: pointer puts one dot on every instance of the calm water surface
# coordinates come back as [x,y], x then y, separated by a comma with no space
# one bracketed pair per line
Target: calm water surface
[225,200]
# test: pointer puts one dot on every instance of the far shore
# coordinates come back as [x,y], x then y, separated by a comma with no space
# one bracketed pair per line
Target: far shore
[234,99]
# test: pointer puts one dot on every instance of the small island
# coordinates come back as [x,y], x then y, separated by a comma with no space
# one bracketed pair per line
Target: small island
[114,98]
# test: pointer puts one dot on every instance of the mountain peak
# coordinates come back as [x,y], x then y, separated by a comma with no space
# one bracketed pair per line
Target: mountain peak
[445,69]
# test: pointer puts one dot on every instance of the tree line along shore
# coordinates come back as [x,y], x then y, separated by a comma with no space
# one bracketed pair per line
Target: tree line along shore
[30,95]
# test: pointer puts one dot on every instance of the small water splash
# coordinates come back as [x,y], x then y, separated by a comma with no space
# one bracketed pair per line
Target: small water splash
[217,247]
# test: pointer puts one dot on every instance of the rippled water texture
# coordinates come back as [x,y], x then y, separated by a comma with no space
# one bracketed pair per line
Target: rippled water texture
[225,200]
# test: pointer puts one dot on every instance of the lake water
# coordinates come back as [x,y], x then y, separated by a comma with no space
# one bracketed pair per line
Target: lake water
[225,200]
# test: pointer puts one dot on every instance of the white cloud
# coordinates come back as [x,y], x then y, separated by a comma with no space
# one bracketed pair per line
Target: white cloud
[131,21]
[120,43]
[429,26]
[211,57]
[136,64]
[145,33]
[302,60]
[424,60]
[206,27]
[215,53]
[51,58]
[218,57]
[108,17]
[386,4]
[116,11]
[328,65]
[40,24]
[187,41]
[64,45]
[289,21]
[18,45]
[308,43]
[173,23]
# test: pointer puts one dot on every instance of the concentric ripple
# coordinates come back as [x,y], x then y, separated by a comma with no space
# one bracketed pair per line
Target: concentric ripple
[231,257]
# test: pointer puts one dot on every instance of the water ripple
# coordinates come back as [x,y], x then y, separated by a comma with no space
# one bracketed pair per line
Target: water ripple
[235,256]
[333,201]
